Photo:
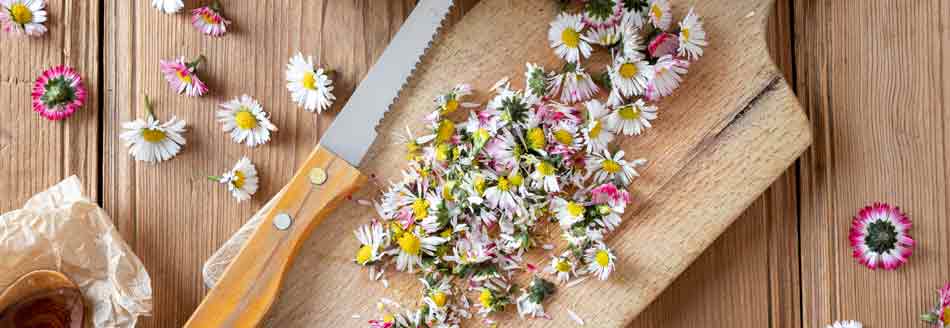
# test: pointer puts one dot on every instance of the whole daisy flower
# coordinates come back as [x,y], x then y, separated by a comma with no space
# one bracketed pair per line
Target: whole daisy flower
[310,86]
[149,140]
[600,261]
[939,316]
[244,118]
[58,93]
[23,16]
[605,167]
[566,38]
[667,76]
[603,13]
[450,102]
[241,180]
[879,237]
[209,20]
[183,77]
[846,324]
[692,37]
[372,239]
[630,75]
[412,245]
[568,212]
[660,14]
[596,132]
[575,84]
[663,44]
[606,36]
[631,119]
[168,6]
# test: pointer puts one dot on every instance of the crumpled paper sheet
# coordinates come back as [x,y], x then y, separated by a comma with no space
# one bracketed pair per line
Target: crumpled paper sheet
[61,230]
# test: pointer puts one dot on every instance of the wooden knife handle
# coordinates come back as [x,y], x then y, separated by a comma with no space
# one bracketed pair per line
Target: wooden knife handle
[251,282]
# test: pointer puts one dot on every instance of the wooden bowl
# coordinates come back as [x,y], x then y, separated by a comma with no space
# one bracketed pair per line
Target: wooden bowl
[42,298]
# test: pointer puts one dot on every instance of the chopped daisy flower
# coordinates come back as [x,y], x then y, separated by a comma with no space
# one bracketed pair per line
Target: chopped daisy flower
[660,14]
[183,77]
[566,38]
[562,267]
[168,6]
[23,16]
[605,167]
[596,132]
[209,20]
[241,180]
[879,237]
[939,316]
[372,239]
[502,195]
[568,212]
[631,119]
[244,118]
[536,82]
[545,177]
[692,37]
[453,100]
[531,299]
[846,324]
[607,36]
[600,261]
[609,194]
[414,244]
[310,86]
[603,13]
[663,44]
[149,140]
[58,93]
[632,21]
[666,78]
[630,75]
[575,84]
[492,300]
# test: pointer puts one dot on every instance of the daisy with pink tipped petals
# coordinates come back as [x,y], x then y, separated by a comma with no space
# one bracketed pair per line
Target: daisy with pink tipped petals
[663,44]
[667,77]
[183,77]
[692,37]
[58,93]
[209,20]
[939,316]
[603,13]
[879,237]
[23,16]
[660,14]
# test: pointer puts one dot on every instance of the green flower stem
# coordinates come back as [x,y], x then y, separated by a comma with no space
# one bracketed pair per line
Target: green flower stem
[148,107]
[216,6]
[193,65]
[215,178]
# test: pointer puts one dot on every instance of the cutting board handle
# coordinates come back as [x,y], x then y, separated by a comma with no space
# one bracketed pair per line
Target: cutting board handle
[251,283]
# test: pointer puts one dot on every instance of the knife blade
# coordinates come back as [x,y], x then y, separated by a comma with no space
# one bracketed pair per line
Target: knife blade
[250,284]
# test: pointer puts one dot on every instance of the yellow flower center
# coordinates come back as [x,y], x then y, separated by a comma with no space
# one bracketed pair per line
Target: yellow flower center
[545,169]
[503,184]
[602,258]
[610,166]
[439,299]
[420,208]
[486,298]
[628,70]
[238,181]
[656,11]
[536,138]
[564,137]
[209,19]
[21,14]
[363,255]
[309,81]
[450,106]
[516,179]
[410,244]
[946,316]
[570,38]
[389,318]
[629,113]
[481,136]
[685,33]
[562,266]
[396,229]
[183,76]
[153,136]
[575,209]
[442,152]
[447,233]
[595,130]
[479,184]
[412,150]
[447,190]
[445,132]
[245,120]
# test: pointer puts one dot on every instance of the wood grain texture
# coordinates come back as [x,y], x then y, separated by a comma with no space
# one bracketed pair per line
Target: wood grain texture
[877,100]
[37,153]
[744,111]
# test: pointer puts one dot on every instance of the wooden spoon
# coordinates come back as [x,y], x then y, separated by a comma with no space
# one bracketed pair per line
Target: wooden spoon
[42,298]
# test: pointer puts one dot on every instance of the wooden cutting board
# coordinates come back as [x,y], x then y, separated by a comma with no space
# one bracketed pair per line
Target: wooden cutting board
[720,141]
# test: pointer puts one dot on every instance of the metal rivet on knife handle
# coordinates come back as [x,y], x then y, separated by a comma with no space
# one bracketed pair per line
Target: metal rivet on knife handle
[318,176]
[283,221]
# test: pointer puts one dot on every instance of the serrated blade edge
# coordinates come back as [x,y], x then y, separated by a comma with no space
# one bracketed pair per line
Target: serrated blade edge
[354,130]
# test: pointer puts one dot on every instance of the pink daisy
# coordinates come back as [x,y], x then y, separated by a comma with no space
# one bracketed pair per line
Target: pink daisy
[58,93]
[879,237]
[182,76]
[939,317]
[663,44]
[208,20]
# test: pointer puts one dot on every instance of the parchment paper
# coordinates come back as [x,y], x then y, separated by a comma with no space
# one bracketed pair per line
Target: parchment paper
[61,230]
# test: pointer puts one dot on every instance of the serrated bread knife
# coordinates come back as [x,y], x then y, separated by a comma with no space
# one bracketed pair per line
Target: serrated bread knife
[251,283]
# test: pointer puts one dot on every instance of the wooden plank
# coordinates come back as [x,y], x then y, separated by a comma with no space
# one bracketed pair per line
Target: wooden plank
[682,168]
[749,276]
[38,153]
[876,99]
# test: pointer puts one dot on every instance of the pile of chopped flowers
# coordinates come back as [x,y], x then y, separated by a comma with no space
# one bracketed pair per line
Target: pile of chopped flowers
[480,193]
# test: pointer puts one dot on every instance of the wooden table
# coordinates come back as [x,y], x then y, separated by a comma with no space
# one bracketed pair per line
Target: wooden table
[871,75]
